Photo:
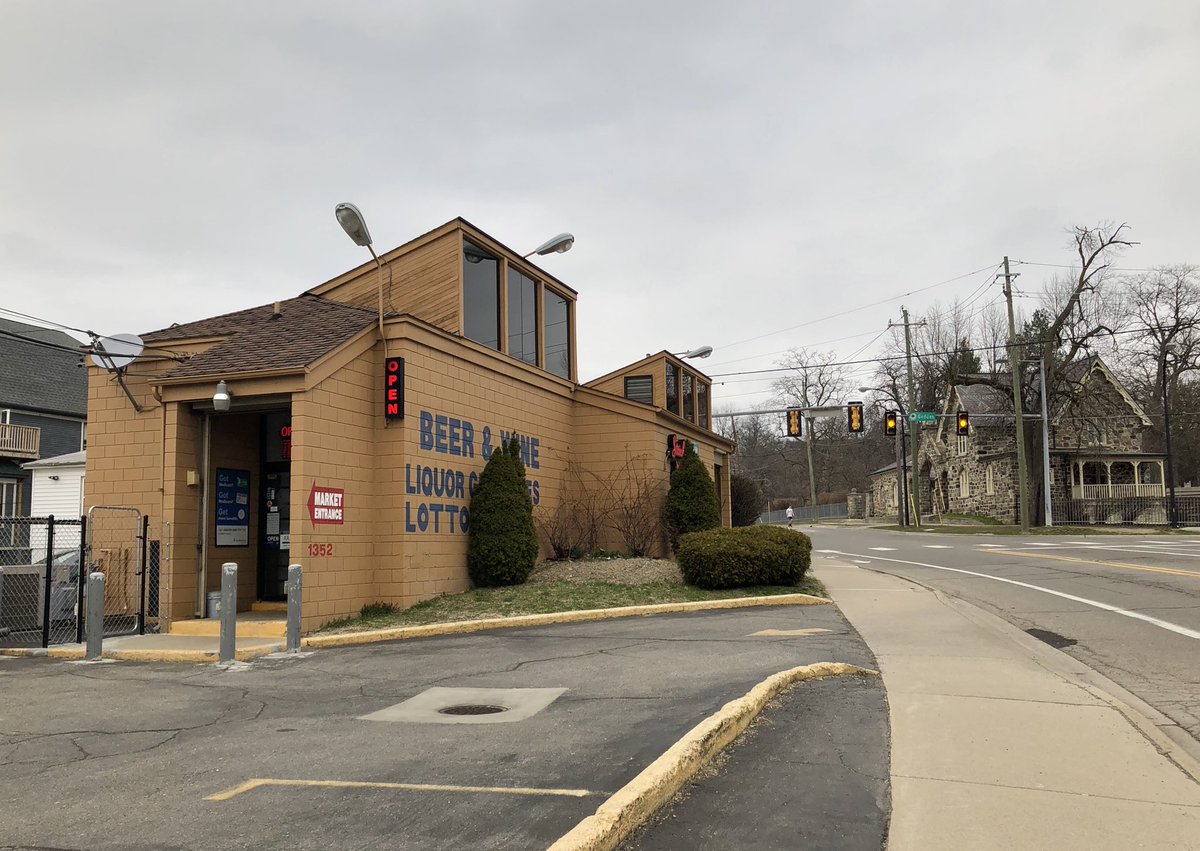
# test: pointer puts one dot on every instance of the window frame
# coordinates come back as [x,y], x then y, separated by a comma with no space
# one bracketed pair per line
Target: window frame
[989,480]
[964,484]
[507,322]
[500,305]
[549,291]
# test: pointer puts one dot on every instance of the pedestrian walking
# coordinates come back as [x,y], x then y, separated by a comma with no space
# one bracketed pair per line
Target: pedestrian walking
[788,514]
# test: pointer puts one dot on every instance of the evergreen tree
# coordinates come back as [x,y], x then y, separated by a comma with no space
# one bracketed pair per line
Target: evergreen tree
[691,500]
[503,546]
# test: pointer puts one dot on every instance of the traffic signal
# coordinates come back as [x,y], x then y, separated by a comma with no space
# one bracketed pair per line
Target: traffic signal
[890,422]
[854,417]
[794,417]
[964,423]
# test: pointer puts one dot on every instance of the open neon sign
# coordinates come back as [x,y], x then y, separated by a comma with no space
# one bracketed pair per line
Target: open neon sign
[393,389]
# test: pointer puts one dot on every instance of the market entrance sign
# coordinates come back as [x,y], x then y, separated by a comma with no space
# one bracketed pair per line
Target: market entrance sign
[925,417]
[327,506]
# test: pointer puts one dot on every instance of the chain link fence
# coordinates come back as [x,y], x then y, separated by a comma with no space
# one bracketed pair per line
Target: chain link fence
[44,564]
[833,511]
[40,580]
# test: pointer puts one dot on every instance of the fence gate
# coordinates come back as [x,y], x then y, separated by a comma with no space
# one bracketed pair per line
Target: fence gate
[39,580]
[131,553]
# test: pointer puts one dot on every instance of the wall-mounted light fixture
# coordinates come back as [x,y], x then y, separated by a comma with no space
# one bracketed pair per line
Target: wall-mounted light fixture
[222,397]
[53,478]
[555,245]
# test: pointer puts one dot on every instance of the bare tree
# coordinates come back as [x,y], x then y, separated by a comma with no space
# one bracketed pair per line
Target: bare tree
[637,504]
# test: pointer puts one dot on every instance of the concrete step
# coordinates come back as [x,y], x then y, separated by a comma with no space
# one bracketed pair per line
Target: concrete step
[249,625]
[269,606]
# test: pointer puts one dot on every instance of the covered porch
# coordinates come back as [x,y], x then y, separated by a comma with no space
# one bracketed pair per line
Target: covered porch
[1117,477]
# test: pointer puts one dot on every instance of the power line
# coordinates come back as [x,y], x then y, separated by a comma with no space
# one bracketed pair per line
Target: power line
[863,307]
[1076,266]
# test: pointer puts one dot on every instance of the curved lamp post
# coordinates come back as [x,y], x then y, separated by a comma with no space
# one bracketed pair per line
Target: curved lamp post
[555,245]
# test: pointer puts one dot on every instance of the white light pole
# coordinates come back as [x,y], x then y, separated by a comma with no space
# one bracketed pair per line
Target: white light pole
[355,226]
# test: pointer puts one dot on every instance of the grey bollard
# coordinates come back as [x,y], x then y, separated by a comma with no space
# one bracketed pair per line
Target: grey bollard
[295,590]
[95,616]
[228,612]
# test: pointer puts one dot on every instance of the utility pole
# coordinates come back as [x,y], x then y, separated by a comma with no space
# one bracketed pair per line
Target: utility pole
[812,478]
[914,430]
[1014,364]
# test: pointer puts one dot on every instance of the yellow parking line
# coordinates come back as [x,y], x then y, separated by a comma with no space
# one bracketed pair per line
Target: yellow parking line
[256,782]
[1148,568]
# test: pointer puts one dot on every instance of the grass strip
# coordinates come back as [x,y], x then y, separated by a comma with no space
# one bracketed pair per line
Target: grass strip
[547,597]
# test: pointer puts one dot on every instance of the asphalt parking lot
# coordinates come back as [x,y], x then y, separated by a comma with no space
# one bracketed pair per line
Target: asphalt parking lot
[139,756]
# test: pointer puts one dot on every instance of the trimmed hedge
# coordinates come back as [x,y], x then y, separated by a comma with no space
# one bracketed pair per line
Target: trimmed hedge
[750,555]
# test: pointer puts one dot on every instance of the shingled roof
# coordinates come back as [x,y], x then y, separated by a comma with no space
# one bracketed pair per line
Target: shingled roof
[306,328]
[39,371]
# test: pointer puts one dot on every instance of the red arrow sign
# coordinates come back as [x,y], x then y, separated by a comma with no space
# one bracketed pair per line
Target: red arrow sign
[327,505]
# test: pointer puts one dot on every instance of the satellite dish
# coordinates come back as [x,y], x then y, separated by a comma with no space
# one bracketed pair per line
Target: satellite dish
[116,352]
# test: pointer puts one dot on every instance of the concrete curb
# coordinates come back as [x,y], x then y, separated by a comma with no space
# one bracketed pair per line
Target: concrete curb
[632,805]
[462,627]
[347,639]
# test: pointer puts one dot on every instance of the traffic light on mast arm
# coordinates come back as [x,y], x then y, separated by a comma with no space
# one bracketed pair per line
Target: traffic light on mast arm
[854,417]
[890,423]
[964,423]
[794,417]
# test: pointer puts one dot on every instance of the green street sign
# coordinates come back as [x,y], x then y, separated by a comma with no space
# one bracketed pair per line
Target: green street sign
[927,417]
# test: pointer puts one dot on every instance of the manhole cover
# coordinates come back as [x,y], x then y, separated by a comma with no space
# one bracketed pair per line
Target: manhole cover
[472,709]
[1058,642]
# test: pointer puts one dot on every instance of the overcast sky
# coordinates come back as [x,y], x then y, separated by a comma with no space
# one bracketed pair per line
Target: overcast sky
[729,169]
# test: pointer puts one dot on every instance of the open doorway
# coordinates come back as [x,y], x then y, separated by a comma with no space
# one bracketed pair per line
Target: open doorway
[275,507]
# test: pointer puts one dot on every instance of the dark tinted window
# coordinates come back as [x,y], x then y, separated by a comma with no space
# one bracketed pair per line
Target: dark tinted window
[522,317]
[672,388]
[689,397]
[481,296]
[557,325]
[702,403]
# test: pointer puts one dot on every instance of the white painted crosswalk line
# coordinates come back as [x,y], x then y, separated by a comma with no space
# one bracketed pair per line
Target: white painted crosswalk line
[989,545]
[938,547]
[883,549]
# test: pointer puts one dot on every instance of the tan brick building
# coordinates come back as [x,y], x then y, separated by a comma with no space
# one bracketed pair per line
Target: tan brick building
[310,465]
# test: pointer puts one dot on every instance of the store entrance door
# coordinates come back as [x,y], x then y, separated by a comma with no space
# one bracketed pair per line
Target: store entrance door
[274,542]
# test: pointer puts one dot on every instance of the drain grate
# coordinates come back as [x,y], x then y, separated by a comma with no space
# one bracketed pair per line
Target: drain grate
[472,709]
[1058,642]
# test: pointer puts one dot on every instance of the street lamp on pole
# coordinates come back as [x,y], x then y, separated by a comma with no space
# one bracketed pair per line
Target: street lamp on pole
[1172,514]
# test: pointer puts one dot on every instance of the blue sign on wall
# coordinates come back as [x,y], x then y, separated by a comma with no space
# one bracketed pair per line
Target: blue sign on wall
[233,508]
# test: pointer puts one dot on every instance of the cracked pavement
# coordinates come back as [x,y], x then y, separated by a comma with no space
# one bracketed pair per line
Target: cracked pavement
[123,755]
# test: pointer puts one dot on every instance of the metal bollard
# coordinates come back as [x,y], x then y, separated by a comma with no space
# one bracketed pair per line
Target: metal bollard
[228,612]
[295,590]
[95,616]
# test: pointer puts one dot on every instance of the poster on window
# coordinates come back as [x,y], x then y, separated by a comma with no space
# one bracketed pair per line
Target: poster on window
[233,508]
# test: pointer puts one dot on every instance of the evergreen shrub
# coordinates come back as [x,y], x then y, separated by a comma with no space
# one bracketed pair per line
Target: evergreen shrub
[745,556]
[691,500]
[503,545]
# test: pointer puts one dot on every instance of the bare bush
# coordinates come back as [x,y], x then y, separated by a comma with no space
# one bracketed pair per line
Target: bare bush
[637,504]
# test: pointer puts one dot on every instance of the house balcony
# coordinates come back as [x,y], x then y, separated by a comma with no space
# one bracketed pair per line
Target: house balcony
[20,441]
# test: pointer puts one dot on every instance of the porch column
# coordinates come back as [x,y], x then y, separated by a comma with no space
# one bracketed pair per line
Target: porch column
[1108,476]
[1162,479]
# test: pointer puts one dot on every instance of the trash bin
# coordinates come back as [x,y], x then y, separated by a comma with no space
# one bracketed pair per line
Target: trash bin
[214,604]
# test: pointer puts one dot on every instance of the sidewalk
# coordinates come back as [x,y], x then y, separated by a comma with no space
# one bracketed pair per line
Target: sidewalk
[997,744]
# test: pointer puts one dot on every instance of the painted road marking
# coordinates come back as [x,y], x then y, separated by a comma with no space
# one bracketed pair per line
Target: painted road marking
[883,549]
[257,782]
[1162,624]
[989,545]
[766,633]
[1148,568]
[938,547]
[1138,548]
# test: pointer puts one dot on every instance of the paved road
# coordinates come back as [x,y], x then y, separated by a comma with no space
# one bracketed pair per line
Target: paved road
[1127,606]
[127,756]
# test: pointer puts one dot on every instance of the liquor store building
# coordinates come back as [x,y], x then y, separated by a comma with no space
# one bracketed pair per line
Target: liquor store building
[344,428]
